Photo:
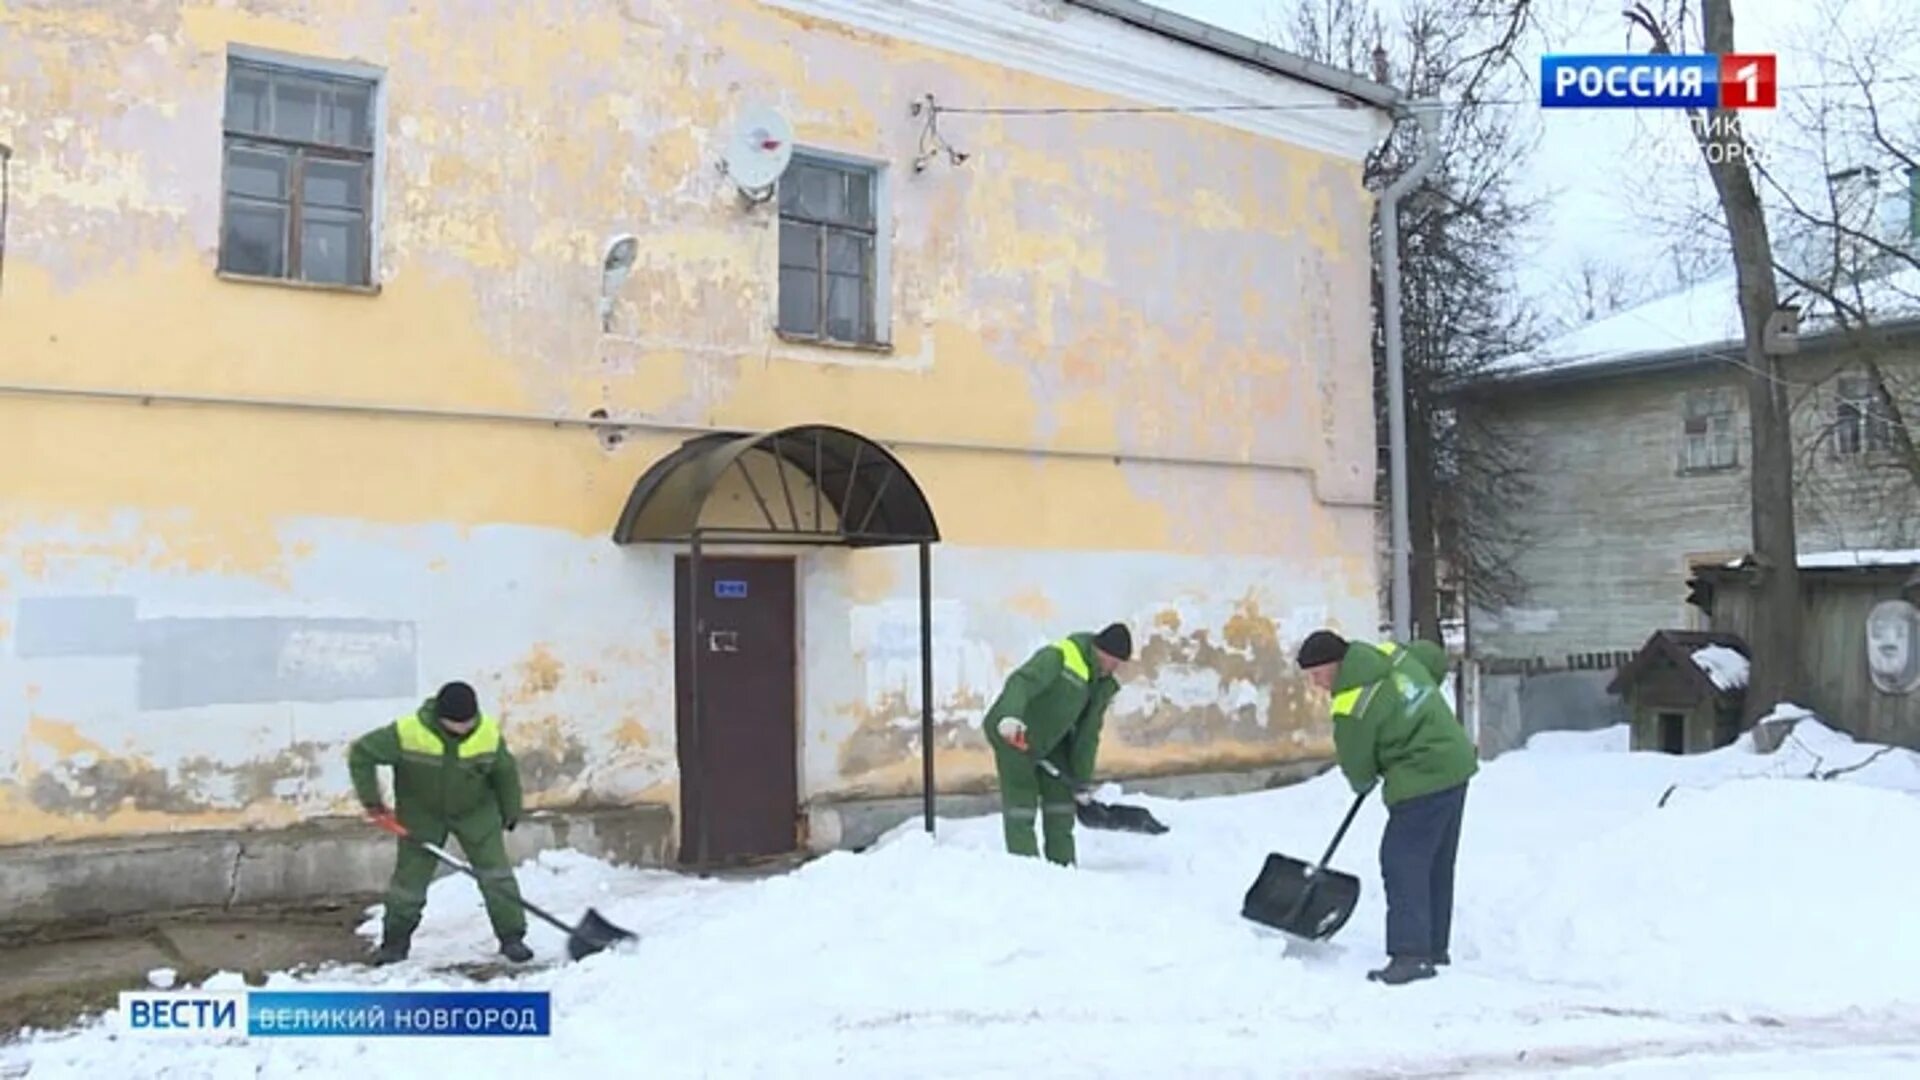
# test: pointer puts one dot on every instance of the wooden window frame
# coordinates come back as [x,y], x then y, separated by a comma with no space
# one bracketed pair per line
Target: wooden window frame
[1859,410]
[1698,429]
[873,310]
[299,156]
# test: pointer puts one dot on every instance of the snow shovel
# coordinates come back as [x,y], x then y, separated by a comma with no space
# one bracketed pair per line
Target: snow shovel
[592,935]
[1113,817]
[1310,902]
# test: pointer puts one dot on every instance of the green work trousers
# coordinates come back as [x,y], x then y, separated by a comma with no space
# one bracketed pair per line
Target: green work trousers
[1026,792]
[484,845]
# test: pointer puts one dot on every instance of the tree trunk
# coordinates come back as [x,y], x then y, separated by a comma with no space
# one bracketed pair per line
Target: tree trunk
[1776,673]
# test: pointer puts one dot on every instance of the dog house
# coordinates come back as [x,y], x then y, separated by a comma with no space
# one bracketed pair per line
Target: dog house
[1684,690]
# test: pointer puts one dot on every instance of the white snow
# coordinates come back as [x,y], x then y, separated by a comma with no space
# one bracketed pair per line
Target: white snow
[1702,319]
[1726,667]
[1705,315]
[1609,740]
[1786,710]
[1756,912]
[161,978]
[1843,559]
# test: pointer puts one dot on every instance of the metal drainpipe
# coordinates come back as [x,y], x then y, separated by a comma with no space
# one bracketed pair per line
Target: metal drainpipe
[1427,116]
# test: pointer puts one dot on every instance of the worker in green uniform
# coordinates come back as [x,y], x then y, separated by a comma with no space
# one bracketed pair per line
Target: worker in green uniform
[452,773]
[1392,726]
[1051,710]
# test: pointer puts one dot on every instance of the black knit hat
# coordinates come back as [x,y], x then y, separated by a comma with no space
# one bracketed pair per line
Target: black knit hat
[1321,647]
[1116,641]
[456,701]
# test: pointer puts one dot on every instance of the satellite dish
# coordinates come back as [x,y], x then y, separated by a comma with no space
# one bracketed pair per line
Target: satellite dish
[759,151]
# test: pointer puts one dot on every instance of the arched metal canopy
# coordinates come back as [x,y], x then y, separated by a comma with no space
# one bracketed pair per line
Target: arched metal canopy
[873,500]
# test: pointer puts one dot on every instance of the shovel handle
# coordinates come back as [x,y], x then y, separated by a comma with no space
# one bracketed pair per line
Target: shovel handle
[1352,812]
[466,868]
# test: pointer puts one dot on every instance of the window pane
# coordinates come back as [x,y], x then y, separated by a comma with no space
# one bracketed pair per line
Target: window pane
[253,170]
[800,302]
[860,198]
[340,184]
[253,239]
[246,100]
[847,253]
[799,246]
[349,119]
[331,248]
[808,191]
[296,107]
[846,308]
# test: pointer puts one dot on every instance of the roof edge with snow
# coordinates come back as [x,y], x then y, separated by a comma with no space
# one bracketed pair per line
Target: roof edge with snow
[1688,357]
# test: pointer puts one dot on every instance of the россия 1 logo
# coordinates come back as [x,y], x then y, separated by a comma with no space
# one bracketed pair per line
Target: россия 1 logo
[1638,81]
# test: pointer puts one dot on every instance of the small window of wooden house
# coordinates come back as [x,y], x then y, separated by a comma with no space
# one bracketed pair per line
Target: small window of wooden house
[1862,423]
[1708,431]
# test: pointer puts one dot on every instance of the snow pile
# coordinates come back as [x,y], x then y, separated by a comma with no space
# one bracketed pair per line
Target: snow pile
[1726,667]
[1589,915]
[1735,897]
[1815,750]
[1608,740]
[1785,711]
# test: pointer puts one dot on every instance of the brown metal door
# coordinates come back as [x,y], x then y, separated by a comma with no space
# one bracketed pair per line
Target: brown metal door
[738,773]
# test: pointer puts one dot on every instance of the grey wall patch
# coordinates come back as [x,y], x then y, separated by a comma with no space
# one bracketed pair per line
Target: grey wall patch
[185,663]
[48,627]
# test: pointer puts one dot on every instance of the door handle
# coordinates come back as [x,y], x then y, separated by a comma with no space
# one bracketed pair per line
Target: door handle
[723,641]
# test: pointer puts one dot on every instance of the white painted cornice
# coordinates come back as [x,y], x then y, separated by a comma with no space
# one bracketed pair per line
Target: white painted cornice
[1100,53]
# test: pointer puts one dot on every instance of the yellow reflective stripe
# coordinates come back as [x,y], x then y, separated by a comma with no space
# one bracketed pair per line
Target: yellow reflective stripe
[1070,654]
[1344,702]
[484,740]
[417,738]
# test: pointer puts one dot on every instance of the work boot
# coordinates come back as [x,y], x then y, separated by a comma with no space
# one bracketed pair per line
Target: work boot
[515,950]
[1402,970]
[392,950]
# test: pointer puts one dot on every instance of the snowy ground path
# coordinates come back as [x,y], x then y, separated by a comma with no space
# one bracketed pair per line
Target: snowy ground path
[1756,925]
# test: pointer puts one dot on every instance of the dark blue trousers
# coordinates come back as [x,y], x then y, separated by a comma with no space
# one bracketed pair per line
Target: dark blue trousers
[1417,854]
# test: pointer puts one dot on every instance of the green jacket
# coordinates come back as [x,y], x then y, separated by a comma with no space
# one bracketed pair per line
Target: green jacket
[438,777]
[1062,696]
[1391,722]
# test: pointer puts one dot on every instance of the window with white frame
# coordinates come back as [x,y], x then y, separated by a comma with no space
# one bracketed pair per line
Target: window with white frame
[298,175]
[1708,431]
[1862,424]
[829,251]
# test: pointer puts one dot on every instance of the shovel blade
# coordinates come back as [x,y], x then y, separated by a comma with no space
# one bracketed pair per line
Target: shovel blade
[1118,817]
[1289,896]
[594,934]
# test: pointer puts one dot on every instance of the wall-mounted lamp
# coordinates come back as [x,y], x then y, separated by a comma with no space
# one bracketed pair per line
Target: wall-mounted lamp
[616,262]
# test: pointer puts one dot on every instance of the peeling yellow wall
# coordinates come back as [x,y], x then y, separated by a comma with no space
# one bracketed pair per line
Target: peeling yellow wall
[1170,288]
